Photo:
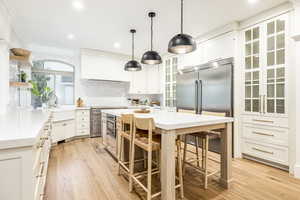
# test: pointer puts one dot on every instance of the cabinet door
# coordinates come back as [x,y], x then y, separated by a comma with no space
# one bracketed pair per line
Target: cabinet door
[138,84]
[252,70]
[171,66]
[153,80]
[275,84]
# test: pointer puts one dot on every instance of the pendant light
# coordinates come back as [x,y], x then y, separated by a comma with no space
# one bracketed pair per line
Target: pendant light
[151,57]
[133,65]
[182,43]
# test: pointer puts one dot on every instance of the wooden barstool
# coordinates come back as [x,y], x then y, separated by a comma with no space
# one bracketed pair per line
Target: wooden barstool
[150,143]
[125,133]
[204,137]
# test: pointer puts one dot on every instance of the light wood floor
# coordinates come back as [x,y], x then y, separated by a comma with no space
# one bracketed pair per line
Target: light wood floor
[83,170]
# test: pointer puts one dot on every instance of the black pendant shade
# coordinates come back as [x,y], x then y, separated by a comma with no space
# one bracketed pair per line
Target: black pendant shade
[182,43]
[151,57]
[133,65]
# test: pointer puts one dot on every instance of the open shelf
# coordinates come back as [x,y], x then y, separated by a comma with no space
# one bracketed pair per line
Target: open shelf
[20,84]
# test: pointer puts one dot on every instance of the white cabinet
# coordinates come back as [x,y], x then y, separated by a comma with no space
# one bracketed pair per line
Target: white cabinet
[102,65]
[217,48]
[23,170]
[147,81]
[138,83]
[265,116]
[63,130]
[82,122]
[170,69]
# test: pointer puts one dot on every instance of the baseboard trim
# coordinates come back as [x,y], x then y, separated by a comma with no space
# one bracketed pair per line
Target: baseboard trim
[297,171]
[266,162]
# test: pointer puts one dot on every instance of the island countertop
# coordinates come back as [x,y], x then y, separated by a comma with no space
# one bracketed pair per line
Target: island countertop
[20,127]
[174,120]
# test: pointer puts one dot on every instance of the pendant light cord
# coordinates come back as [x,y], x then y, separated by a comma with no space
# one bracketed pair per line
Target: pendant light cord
[132,46]
[151,33]
[181,16]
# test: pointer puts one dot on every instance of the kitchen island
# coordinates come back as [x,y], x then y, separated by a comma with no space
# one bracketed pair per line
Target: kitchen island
[172,124]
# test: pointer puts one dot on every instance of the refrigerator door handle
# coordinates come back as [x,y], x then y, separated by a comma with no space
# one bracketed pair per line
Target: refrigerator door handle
[196,96]
[199,92]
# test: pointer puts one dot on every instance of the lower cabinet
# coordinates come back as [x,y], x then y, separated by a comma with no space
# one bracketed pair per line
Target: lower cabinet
[82,122]
[23,170]
[265,139]
[63,130]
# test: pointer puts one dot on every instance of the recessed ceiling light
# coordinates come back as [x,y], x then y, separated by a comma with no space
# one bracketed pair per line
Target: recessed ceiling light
[71,37]
[252,1]
[78,5]
[215,64]
[117,45]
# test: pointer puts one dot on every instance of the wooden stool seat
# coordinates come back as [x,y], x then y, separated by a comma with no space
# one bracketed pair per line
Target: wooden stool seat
[142,142]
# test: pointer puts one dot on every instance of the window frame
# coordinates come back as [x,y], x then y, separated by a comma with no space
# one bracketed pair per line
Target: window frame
[55,73]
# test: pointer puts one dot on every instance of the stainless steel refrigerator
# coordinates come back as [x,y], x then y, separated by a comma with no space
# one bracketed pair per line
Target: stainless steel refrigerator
[207,87]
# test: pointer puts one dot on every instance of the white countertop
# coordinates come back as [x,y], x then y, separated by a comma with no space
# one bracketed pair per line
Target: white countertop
[173,120]
[19,128]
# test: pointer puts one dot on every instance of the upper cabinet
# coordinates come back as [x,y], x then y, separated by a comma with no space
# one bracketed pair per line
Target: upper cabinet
[217,48]
[101,65]
[147,81]
[265,68]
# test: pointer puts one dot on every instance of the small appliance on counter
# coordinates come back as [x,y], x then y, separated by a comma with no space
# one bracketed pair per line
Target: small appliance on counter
[79,102]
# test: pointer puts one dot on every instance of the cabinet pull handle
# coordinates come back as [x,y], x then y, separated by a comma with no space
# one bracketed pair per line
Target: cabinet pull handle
[64,124]
[265,134]
[264,121]
[263,151]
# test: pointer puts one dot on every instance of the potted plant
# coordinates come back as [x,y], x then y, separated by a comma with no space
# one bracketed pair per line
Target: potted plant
[42,93]
[23,77]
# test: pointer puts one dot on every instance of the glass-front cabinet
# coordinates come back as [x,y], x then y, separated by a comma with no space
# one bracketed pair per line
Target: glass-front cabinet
[171,66]
[265,67]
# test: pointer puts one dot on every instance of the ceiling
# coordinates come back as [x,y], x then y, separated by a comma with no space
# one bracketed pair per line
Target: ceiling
[102,23]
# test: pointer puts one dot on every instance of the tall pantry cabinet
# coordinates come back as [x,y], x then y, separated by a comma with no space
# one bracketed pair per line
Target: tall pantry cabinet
[265,85]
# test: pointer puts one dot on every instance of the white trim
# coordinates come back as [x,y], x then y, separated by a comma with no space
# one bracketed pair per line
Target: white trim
[266,15]
[297,171]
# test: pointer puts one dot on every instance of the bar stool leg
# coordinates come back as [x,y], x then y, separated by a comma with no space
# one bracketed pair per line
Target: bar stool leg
[197,150]
[119,154]
[203,153]
[149,173]
[131,163]
[180,167]
[206,160]
[184,154]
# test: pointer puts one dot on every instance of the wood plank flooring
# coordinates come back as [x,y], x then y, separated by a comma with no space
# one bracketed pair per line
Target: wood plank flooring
[83,170]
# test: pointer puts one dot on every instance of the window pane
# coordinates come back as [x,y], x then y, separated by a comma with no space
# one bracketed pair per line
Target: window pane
[271,28]
[248,105]
[256,33]
[280,90]
[280,57]
[270,106]
[64,89]
[248,49]
[255,62]
[255,91]
[248,63]
[271,91]
[57,66]
[270,58]
[271,43]
[248,92]
[255,105]
[280,24]
[280,108]
[248,35]
[280,43]
[256,47]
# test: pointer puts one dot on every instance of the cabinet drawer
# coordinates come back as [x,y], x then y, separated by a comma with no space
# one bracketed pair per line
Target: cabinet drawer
[278,136]
[272,153]
[83,132]
[63,115]
[82,113]
[83,125]
[266,121]
[82,119]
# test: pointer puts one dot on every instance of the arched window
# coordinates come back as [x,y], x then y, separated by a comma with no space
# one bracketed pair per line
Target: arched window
[59,77]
